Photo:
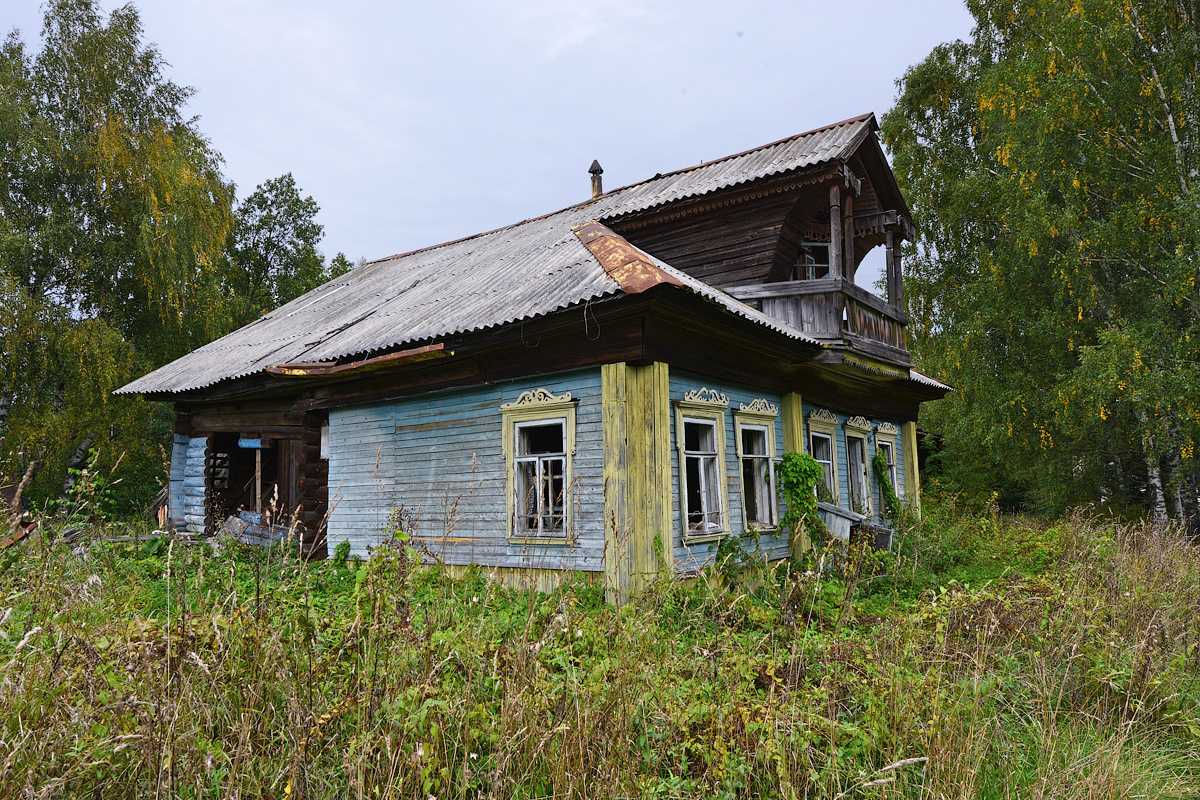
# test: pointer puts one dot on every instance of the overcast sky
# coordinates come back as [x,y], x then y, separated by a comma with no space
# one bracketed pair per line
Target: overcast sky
[413,123]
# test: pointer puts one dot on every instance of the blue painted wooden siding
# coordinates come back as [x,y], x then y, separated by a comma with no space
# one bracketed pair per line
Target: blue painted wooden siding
[689,558]
[843,468]
[441,457]
[175,503]
[194,492]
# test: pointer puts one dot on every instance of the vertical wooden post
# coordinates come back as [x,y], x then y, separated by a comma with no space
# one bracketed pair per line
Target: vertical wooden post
[894,244]
[848,231]
[637,475]
[837,262]
[912,477]
[892,277]
[650,470]
[835,232]
[793,442]
[615,419]
[258,481]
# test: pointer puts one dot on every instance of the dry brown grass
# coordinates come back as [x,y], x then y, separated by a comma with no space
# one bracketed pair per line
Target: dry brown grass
[175,673]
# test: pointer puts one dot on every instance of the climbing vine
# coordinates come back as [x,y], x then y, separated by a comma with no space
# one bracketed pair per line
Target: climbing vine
[799,474]
[891,501]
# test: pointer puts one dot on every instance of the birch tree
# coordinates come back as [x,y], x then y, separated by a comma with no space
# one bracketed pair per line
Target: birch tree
[1052,164]
[113,217]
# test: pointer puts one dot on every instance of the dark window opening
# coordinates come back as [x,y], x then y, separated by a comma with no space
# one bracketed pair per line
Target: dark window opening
[541,479]
[702,486]
[757,478]
[812,261]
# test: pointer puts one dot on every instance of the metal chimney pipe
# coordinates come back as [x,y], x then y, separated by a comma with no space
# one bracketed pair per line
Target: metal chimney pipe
[597,184]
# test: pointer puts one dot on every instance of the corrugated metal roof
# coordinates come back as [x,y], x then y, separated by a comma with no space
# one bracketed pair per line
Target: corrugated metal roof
[913,375]
[787,155]
[523,271]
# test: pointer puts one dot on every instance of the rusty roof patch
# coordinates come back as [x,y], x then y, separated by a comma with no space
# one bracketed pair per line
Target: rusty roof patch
[632,269]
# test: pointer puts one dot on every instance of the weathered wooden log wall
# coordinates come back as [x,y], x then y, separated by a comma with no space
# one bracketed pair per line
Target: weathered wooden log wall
[313,486]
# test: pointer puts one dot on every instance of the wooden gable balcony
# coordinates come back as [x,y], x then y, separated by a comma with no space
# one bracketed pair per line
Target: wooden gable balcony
[834,310]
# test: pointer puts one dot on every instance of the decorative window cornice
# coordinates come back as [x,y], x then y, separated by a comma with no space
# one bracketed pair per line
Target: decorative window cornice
[823,415]
[537,397]
[887,429]
[706,396]
[859,424]
[759,406]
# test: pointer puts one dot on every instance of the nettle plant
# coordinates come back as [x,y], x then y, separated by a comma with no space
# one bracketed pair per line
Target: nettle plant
[799,476]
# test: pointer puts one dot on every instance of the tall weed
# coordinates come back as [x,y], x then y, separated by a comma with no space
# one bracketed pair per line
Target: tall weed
[169,670]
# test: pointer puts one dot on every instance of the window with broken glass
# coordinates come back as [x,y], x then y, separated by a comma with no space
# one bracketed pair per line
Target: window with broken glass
[889,455]
[540,478]
[821,448]
[856,466]
[758,476]
[702,481]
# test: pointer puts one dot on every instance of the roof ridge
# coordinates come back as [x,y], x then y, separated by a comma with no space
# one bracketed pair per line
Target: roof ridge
[792,138]
[613,192]
[462,239]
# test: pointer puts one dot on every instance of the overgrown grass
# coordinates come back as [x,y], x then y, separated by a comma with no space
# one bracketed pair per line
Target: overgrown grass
[992,658]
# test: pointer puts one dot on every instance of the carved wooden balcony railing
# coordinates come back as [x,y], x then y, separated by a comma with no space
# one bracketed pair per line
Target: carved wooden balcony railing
[833,309]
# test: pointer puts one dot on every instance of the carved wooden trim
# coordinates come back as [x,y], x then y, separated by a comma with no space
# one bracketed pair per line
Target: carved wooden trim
[859,424]
[823,415]
[706,396]
[887,429]
[537,397]
[759,406]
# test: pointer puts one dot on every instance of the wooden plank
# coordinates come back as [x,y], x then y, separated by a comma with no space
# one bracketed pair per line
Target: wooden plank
[848,232]
[912,477]
[880,350]
[649,465]
[524,578]
[837,263]
[817,287]
[792,411]
[617,523]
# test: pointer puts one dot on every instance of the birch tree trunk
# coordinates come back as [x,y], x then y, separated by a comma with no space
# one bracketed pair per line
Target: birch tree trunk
[1158,502]
[5,407]
[78,461]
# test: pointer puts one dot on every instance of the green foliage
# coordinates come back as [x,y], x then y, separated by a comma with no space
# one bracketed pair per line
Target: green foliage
[799,475]
[1051,162]
[89,496]
[892,506]
[341,553]
[114,217]
[452,688]
[272,254]
[738,558]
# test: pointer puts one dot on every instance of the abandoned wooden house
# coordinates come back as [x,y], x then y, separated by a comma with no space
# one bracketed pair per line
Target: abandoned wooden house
[604,389]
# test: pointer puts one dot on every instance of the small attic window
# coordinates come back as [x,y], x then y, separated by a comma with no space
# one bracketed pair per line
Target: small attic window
[812,261]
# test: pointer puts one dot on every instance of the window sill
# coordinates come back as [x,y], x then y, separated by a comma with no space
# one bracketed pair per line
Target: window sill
[704,538]
[554,541]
